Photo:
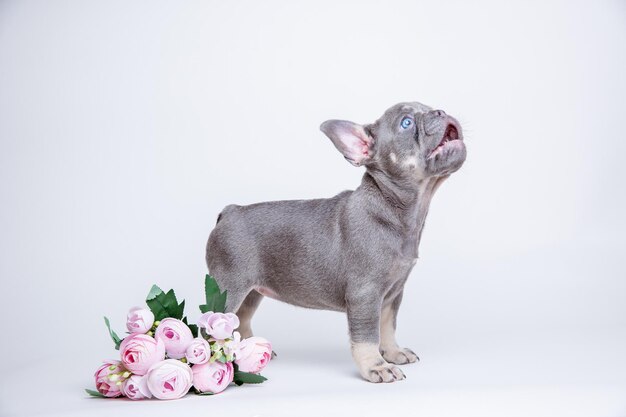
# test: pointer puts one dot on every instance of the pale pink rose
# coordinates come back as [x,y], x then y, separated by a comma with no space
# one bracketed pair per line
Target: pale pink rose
[253,354]
[139,320]
[136,388]
[139,352]
[104,384]
[175,335]
[212,377]
[198,351]
[169,379]
[219,325]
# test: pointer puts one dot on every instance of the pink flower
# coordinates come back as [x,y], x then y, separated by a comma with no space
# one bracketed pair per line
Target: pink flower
[212,377]
[139,352]
[253,354]
[106,378]
[139,320]
[176,337]
[219,325]
[169,379]
[136,388]
[198,351]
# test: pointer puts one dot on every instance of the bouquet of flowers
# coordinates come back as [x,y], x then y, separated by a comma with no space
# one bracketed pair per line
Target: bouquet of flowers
[161,358]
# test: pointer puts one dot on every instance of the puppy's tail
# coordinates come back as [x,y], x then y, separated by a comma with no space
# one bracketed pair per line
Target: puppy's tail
[225,211]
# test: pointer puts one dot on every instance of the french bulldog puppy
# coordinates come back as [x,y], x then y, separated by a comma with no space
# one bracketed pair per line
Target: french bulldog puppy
[352,252]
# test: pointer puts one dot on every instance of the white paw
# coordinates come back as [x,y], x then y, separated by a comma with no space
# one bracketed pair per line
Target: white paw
[383,373]
[399,356]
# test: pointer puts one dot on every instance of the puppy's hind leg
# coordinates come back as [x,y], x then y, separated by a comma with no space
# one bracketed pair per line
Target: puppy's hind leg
[246,311]
[229,260]
[231,280]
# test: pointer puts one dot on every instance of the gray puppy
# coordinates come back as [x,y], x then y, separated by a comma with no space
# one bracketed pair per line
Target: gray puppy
[352,252]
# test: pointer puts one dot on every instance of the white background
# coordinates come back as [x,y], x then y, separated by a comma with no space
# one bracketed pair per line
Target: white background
[125,127]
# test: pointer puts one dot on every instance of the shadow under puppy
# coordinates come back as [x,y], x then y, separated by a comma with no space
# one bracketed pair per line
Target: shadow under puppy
[352,252]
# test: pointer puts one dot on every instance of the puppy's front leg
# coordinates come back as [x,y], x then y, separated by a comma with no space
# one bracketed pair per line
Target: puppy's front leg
[388,346]
[364,326]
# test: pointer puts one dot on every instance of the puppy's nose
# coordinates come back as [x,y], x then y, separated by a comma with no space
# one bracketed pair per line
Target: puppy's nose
[433,121]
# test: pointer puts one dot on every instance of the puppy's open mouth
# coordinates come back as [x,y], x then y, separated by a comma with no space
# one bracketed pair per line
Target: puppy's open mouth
[450,135]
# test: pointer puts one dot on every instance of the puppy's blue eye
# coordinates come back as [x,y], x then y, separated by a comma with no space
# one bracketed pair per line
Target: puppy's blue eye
[406,123]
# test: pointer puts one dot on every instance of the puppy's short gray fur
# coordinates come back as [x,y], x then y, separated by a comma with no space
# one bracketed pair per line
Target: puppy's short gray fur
[352,252]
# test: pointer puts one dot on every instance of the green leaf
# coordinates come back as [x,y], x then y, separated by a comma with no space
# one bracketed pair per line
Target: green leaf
[210,286]
[164,305]
[154,291]
[241,378]
[202,393]
[94,393]
[181,308]
[114,336]
[215,300]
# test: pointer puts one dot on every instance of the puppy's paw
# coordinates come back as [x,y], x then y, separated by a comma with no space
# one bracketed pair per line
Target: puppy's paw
[383,373]
[399,356]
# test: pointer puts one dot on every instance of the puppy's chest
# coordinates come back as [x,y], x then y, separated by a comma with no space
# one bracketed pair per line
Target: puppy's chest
[401,258]
[399,237]
[400,268]
[403,247]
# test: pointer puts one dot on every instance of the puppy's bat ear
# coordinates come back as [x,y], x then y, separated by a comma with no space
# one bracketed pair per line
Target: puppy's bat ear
[352,140]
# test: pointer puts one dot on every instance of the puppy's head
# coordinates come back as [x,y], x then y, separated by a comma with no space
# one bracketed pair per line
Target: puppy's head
[409,141]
